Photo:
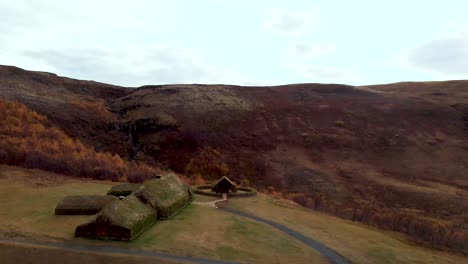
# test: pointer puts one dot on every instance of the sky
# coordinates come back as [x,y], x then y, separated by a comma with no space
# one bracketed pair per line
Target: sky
[245,42]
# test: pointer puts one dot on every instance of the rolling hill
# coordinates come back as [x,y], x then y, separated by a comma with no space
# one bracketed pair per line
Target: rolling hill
[391,156]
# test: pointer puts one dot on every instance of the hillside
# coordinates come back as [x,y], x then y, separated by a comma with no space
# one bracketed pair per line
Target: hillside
[392,156]
[28,139]
[452,93]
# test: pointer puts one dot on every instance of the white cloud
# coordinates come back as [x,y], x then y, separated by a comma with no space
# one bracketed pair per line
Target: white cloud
[326,74]
[304,51]
[112,41]
[161,65]
[79,23]
[301,57]
[446,55]
[292,22]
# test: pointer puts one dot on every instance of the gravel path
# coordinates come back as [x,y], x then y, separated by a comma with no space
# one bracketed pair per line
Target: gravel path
[212,203]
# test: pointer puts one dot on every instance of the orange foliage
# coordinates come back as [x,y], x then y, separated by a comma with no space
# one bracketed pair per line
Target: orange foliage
[94,107]
[198,180]
[298,198]
[207,163]
[28,139]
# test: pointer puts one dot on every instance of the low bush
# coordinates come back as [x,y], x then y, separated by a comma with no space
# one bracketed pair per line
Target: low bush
[208,161]
[339,123]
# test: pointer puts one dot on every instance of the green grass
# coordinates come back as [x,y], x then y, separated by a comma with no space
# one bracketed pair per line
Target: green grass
[386,256]
[14,254]
[205,231]
[196,231]
[361,244]
[204,198]
[28,206]
[29,197]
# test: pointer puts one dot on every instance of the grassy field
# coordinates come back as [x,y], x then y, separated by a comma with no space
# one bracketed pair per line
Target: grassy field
[28,199]
[14,254]
[359,243]
[30,196]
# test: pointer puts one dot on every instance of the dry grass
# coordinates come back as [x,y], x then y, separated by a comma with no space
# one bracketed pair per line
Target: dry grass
[195,99]
[357,242]
[205,231]
[29,198]
[449,92]
[14,254]
[196,231]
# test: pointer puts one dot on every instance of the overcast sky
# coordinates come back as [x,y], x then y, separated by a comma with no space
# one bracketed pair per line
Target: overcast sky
[137,42]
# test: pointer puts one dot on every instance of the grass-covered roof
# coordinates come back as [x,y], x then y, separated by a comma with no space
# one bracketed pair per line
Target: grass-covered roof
[123,189]
[167,195]
[83,204]
[124,219]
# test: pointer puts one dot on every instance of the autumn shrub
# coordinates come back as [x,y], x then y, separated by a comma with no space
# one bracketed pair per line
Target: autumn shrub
[298,198]
[339,123]
[140,172]
[28,139]
[94,107]
[430,231]
[198,180]
[434,232]
[208,164]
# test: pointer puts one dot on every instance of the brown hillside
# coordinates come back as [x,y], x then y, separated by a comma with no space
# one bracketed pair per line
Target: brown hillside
[385,156]
[78,107]
[28,139]
[452,93]
[448,92]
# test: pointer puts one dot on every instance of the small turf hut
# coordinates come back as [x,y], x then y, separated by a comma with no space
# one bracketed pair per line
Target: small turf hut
[83,204]
[121,220]
[168,195]
[224,185]
[123,189]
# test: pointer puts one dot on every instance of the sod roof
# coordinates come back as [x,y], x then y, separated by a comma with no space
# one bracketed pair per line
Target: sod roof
[123,219]
[83,205]
[168,195]
[123,189]
[224,178]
